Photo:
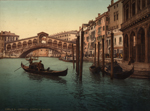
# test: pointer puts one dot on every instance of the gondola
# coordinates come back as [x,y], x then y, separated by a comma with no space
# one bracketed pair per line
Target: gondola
[34,70]
[95,69]
[120,75]
[66,60]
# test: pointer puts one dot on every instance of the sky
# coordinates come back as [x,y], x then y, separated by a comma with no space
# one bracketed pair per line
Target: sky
[26,18]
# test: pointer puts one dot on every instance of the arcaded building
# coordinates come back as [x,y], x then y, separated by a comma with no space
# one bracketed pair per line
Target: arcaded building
[136,30]
[6,37]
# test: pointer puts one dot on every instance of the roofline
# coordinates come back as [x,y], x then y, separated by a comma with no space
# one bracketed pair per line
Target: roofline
[114,3]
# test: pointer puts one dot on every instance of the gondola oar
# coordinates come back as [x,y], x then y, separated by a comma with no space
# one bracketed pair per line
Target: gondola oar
[20,67]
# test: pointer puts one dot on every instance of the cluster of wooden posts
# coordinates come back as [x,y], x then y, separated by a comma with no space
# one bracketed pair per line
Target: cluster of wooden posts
[79,53]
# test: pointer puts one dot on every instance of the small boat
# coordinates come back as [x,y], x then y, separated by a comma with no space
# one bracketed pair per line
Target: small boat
[95,69]
[120,74]
[66,60]
[33,69]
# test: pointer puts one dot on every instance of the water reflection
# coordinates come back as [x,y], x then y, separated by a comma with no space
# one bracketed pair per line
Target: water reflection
[79,94]
[40,78]
[96,77]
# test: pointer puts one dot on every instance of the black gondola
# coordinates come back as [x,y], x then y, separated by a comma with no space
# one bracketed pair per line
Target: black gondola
[95,69]
[66,60]
[33,69]
[120,74]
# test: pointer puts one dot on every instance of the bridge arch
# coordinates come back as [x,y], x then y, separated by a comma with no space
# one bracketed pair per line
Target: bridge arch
[55,43]
[50,42]
[8,47]
[60,45]
[24,53]
[64,46]
[29,42]
[14,46]
[35,41]
[24,44]
[70,46]
[19,45]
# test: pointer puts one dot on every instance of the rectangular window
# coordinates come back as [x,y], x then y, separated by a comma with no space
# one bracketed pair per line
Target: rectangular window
[138,5]
[107,19]
[127,14]
[148,2]
[127,11]
[103,36]
[99,38]
[117,16]
[120,40]
[103,27]
[99,31]
[87,39]
[143,3]
[99,22]
[114,16]
[115,41]
[133,9]
[106,27]
[109,42]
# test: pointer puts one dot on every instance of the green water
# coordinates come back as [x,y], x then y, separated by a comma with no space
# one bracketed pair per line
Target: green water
[24,91]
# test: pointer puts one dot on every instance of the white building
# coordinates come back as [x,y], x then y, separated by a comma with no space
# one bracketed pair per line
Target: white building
[66,35]
[115,13]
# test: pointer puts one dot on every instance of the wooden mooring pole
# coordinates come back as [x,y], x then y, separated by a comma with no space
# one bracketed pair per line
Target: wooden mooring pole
[98,54]
[112,53]
[81,53]
[95,55]
[103,55]
[77,55]
[73,55]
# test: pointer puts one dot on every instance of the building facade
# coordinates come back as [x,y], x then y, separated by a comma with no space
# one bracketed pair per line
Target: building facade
[136,30]
[6,37]
[101,30]
[89,38]
[115,13]
[66,35]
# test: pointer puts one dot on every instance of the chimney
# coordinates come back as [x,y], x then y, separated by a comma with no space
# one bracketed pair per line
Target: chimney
[112,2]
[80,28]
[99,14]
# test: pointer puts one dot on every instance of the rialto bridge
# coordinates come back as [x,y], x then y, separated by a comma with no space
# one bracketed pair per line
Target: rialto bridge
[23,47]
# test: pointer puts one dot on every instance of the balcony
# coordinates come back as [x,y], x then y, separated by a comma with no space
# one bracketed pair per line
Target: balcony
[136,18]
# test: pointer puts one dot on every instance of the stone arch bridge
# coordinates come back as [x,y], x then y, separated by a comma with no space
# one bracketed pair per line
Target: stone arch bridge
[23,47]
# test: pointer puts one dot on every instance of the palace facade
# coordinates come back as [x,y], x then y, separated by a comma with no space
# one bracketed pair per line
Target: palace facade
[136,30]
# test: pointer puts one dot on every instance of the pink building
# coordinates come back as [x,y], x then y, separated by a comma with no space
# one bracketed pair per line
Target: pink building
[101,30]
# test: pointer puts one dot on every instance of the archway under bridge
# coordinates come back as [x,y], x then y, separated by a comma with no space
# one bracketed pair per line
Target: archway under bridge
[26,52]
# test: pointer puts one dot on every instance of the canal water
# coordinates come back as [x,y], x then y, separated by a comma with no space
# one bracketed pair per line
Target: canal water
[22,91]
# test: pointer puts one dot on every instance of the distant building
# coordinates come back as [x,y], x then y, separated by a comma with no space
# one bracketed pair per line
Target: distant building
[6,37]
[136,30]
[66,35]
[89,38]
[115,13]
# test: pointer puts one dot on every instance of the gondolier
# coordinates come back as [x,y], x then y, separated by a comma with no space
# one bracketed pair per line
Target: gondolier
[39,66]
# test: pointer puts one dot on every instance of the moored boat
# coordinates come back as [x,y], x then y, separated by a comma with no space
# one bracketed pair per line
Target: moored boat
[120,74]
[95,69]
[33,69]
[66,60]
